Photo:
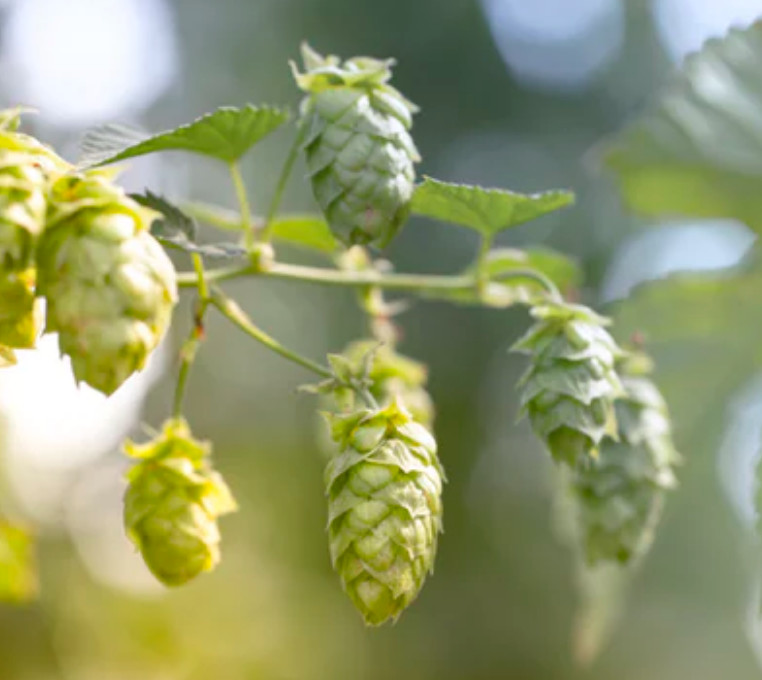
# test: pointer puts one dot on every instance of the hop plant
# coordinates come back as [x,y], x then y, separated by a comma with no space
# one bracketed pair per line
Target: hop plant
[384,508]
[619,498]
[360,154]
[26,169]
[569,389]
[172,504]
[109,285]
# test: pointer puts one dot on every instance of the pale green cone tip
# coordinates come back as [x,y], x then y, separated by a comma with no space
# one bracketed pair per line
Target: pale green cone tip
[384,509]
[172,504]
[360,155]
[109,285]
[569,388]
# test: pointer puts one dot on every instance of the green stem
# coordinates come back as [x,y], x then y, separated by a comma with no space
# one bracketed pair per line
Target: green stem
[243,202]
[482,275]
[230,310]
[280,187]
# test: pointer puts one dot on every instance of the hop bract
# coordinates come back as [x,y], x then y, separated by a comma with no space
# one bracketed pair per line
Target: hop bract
[360,154]
[620,496]
[569,389]
[172,504]
[110,287]
[384,509]
[26,169]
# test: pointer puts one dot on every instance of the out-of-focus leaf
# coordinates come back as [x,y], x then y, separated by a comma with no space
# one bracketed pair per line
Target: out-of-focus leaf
[18,571]
[559,268]
[306,231]
[488,211]
[698,151]
[226,134]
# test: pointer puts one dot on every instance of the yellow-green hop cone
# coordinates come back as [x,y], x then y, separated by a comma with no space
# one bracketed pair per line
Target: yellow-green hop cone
[26,169]
[384,509]
[172,504]
[619,497]
[110,287]
[569,389]
[360,155]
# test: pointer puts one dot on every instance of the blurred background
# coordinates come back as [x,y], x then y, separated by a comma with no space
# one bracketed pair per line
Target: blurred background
[513,94]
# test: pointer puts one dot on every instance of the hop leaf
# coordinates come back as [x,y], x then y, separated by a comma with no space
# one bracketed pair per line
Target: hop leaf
[384,509]
[109,285]
[569,388]
[172,504]
[360,155]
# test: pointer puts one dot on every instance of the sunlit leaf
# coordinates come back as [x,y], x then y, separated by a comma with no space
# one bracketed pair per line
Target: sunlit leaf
[488,211]
[307,231]
[18,571]
[226,134]
[698,151]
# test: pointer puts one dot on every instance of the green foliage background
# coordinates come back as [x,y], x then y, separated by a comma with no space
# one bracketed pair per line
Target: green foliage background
[502,602]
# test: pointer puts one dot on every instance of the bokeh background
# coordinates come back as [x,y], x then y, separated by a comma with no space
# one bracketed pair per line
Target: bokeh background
[513,93]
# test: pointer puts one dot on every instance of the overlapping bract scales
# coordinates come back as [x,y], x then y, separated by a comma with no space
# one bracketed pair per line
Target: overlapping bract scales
[109,285]
[384,509]
[569,389]
[172,504]
[359,151]
[619,497]
[26,169]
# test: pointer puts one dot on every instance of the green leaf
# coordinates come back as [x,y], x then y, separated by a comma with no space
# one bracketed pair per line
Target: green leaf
[698,151]
[488,211]
[307,231]
[18,572]
[226,134]
[177,230]
[560,269]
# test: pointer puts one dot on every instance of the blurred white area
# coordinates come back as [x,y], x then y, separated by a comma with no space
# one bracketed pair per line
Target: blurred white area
[557,44]
[684,25]
[53,428]
[86,61]
[677,247]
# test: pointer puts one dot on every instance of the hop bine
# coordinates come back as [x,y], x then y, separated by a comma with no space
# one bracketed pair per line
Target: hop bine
[619,497]
[360,155]
[172,504]
[109,285]
[384,508]
[26,169]
[569,389]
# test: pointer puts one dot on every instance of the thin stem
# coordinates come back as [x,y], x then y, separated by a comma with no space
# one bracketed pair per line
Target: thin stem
[243,202]
[280,187]
[482,275]
[230,310]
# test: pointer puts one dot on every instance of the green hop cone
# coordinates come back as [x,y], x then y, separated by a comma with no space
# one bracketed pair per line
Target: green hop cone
[109,285]
[172,504]
[384,508]
[569,389]
[619,497]
[26,169]
[360,155]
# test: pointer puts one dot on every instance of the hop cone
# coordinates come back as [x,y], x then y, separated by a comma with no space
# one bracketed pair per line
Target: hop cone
[569,388]
[360,155]
[110,287]
[619,497]
[26,168]
[172,504]
[384,509]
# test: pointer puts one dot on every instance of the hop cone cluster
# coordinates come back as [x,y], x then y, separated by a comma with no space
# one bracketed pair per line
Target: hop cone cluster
[26,169]
[384,508]
[570,386]
[110,287]
[172,504]
[619,497]
[360,154]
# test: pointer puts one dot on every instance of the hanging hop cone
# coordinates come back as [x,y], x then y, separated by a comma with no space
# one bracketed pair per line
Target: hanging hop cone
[384,508]
[360,155]
[619,497]
[110,287]
[569,389]
[172,504]
[26,169]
